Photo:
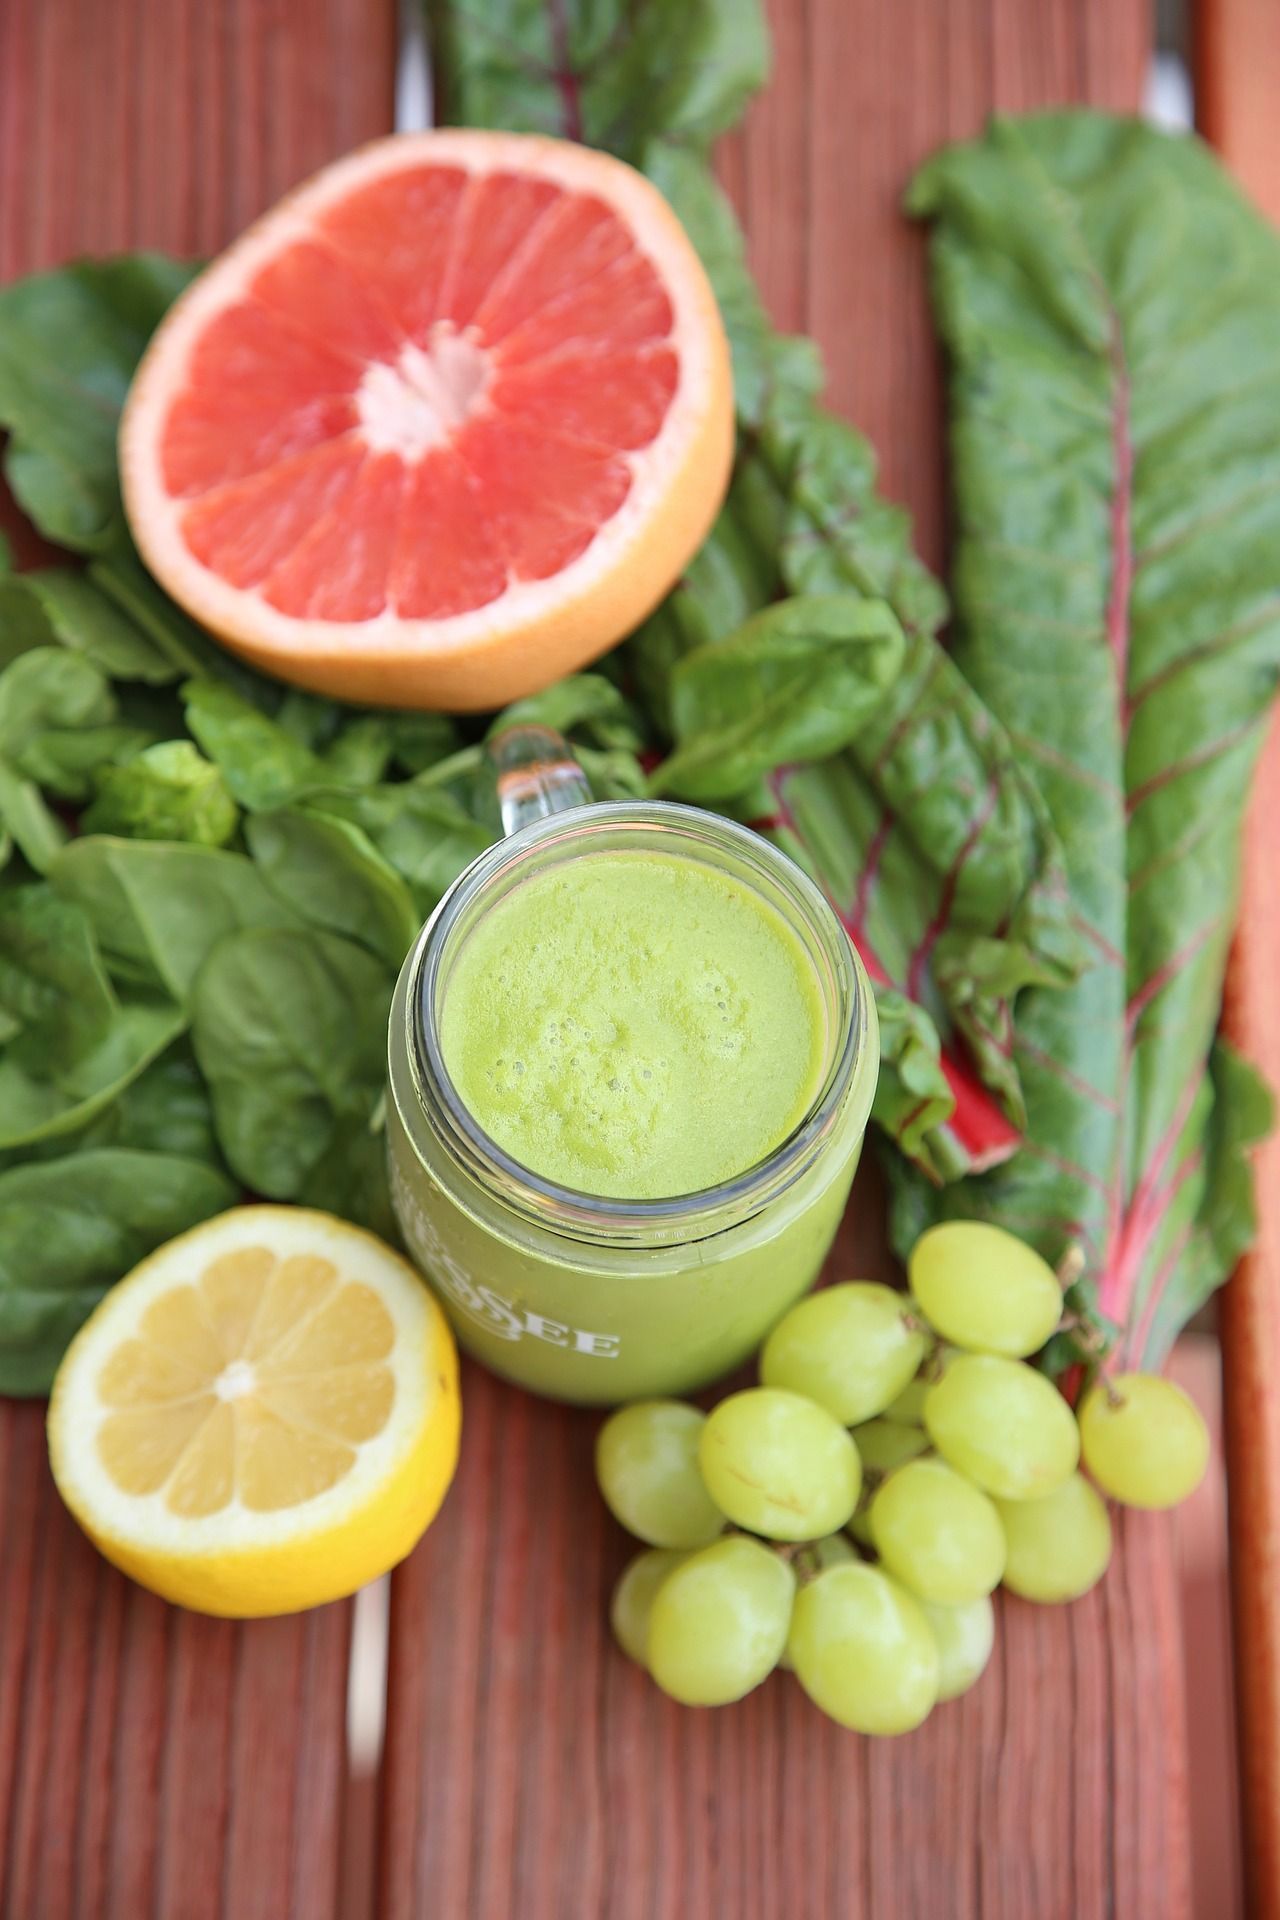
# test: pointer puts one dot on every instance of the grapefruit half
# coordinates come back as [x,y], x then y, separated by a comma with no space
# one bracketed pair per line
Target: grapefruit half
[442,426]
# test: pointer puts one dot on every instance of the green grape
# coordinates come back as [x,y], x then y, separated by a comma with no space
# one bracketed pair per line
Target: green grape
[1058,1547]
[633,1599]
[719,1621]
[965,1637]
[885,1444]
[882,1445]
[852,1348]
[1144,1440]
[835,1551]
[860,1528]
[937,1533]
[780,1465]
[1003,1425]
[647,1467]
[984,1289]
[863,1650]
[908,1408]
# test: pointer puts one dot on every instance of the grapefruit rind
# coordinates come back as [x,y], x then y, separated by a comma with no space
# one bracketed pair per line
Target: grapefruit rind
[536,630]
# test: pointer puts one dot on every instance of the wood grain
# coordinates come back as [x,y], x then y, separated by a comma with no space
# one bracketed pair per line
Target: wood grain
[529,1769]
[166,123]
[151,1761]
[862,91]
[1237,87]
[154,1763]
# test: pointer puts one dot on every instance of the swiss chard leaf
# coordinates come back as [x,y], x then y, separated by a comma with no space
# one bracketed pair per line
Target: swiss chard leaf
[796,682]
[612,74]
[1112,310]
[765,363]
[69,342]
[67,1234]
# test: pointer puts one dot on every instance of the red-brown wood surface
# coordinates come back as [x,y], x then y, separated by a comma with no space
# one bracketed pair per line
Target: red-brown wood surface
[154,1763]
[529,1769]
[1237,90]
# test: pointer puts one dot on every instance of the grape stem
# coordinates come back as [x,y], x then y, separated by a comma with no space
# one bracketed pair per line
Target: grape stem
[931,1365]
[1071,1266]
[1089,1337]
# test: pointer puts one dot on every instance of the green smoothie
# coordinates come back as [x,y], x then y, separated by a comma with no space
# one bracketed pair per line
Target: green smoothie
[635,1025]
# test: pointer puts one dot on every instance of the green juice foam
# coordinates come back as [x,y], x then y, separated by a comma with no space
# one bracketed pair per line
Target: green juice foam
[635,1025]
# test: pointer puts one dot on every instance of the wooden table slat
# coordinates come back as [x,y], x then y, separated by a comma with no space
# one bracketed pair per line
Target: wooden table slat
[529,1769]
[1237,76]
[151,1761]
[154,1763]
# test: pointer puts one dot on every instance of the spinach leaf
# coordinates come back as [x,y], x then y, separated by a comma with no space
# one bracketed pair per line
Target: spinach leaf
[290,1032]
[38,1104]
[586,706]
[27,821]
[423,831]
[612,74]
[123,580]
[262,763]
[69,342]
[58,721]
[159,907]
[1112,309]
[165,1110]
[796,682]
[350,1178]
[332,876]
[68,1231]
[23,624]
[419,740]
[169,792]
[361,753]
[54,989]
[613,773]
[72,612]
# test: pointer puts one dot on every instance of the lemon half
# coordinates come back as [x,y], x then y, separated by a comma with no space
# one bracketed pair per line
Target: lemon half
[262,1416]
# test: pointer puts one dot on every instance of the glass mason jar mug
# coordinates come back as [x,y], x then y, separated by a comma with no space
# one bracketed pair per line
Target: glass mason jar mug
[573,1294]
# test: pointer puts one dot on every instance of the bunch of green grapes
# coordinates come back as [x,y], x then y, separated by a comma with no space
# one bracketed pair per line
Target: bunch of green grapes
[850,1518]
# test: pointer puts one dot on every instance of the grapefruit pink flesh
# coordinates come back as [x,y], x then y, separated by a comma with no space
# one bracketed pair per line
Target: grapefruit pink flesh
[397,441]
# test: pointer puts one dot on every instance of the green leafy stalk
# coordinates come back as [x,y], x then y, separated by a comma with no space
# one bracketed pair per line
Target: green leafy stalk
[924,830]
[764,689]
[1112,310]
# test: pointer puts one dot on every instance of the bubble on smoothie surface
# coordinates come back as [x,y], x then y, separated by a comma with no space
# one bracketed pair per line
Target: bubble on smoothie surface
[634,1024]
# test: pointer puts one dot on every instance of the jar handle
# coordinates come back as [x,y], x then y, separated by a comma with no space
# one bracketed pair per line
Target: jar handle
[536,775]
